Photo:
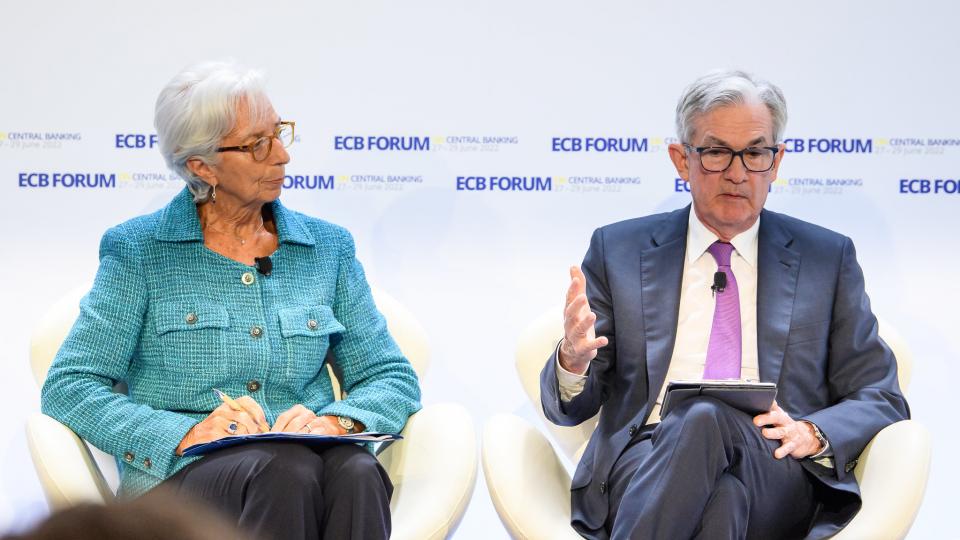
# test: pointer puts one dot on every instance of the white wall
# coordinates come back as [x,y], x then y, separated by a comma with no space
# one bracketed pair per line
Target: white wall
[477,266]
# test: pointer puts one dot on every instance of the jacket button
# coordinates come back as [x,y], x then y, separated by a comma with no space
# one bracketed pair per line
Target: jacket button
[312,324]
[633,430]
[603,487]
[256,331]
[147,462]
[253,386]
[191,318]
[128,457]
[247,278]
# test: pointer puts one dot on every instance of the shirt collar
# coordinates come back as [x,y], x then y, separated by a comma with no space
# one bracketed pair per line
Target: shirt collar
[699,238]
[180,222]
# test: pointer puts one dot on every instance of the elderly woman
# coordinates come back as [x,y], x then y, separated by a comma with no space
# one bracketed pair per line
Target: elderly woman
[226,288]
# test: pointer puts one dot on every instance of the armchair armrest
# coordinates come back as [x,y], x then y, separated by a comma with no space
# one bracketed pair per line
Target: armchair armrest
[433,470]
[529,485]
[892,473]
[67,471]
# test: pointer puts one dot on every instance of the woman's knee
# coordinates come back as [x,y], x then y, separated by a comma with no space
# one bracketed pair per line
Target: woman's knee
[290,465]
[355,466]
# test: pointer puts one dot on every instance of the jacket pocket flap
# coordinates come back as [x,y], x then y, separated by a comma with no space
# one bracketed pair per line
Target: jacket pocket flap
[310,321]
[178,315]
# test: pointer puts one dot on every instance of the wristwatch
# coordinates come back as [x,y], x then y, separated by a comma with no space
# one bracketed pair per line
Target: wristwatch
[824,443]
[347,424]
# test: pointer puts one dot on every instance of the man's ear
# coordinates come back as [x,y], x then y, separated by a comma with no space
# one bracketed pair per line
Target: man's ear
[202,171]
[678,155]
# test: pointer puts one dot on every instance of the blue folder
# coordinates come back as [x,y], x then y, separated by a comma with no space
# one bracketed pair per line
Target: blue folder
[300,438]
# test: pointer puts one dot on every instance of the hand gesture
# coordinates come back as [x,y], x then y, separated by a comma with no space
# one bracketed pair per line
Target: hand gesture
[580,343]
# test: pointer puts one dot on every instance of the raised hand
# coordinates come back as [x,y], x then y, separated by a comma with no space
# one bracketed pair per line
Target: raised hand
[580,342]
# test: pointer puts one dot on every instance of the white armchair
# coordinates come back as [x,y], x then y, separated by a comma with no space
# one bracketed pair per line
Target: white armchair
[433,469]
[530,485]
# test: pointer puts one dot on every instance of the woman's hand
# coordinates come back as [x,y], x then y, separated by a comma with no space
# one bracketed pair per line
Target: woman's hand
[224,421]
[299,419]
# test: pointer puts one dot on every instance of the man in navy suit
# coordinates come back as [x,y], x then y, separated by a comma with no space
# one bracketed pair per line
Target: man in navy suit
[648,307]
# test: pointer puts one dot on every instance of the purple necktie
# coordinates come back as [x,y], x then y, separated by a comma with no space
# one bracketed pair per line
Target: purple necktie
[723,352]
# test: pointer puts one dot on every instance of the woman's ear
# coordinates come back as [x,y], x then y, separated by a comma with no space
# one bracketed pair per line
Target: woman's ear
[201,170]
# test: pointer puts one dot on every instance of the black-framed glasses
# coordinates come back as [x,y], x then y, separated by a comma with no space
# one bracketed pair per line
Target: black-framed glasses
[262,147]
[719,158]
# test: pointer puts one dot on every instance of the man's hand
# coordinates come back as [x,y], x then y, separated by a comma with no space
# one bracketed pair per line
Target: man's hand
[580,343]
[796,438]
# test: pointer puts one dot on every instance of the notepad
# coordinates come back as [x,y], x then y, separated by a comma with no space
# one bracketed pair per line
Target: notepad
[750,397]
[308,439]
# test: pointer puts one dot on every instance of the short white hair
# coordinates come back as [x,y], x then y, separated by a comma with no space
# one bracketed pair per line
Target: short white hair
[722,88]
[198,108]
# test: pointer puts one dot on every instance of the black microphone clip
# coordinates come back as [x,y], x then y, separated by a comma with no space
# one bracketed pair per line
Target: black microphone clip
[264,265]
[719,282]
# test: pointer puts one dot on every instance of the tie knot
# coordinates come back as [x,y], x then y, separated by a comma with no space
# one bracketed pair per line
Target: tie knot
[721,252]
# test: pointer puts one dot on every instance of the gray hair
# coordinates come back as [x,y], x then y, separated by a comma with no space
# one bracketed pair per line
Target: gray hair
[198,108]
[728,87]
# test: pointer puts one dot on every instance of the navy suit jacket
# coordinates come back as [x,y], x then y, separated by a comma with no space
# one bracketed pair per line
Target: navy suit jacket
[816,338]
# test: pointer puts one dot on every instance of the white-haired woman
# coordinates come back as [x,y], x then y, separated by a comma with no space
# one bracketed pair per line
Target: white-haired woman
[226,288]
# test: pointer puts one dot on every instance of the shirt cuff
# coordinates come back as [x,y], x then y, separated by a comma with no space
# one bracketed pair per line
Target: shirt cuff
[571,384]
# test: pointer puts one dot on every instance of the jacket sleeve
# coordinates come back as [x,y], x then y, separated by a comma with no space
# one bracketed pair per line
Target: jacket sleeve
[596,388]
[862,371]
[96,354]
[382,388]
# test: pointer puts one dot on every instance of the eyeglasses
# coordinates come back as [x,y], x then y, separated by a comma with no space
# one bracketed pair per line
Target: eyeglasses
[719,158]
[262,147]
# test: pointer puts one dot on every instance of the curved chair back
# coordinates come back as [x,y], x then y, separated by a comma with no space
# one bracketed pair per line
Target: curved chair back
[538,341]
[63,487]
[535,344]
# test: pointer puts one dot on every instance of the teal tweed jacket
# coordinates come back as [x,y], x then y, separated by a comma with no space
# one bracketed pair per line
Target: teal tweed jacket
[174,320]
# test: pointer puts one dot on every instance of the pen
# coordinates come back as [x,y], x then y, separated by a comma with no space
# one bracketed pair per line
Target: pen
[232,403]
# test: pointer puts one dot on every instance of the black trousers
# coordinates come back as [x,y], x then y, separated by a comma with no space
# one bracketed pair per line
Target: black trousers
[282,490]
[707,472]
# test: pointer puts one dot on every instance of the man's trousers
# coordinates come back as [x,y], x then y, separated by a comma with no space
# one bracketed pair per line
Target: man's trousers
[707,472]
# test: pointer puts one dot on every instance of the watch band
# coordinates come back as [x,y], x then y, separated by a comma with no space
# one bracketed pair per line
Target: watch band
[824,443]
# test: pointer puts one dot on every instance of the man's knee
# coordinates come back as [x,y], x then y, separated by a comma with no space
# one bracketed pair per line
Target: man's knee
[698,412]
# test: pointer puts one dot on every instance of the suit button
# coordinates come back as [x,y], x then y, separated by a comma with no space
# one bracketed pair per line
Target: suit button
[247,278]
[633,430]
[603,487]
[147,462]
[253,386]
[128,457]
[191,318]
[256,331]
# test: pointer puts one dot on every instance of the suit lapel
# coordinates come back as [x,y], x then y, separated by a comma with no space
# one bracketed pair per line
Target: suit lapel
[661,276]
[777,269]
